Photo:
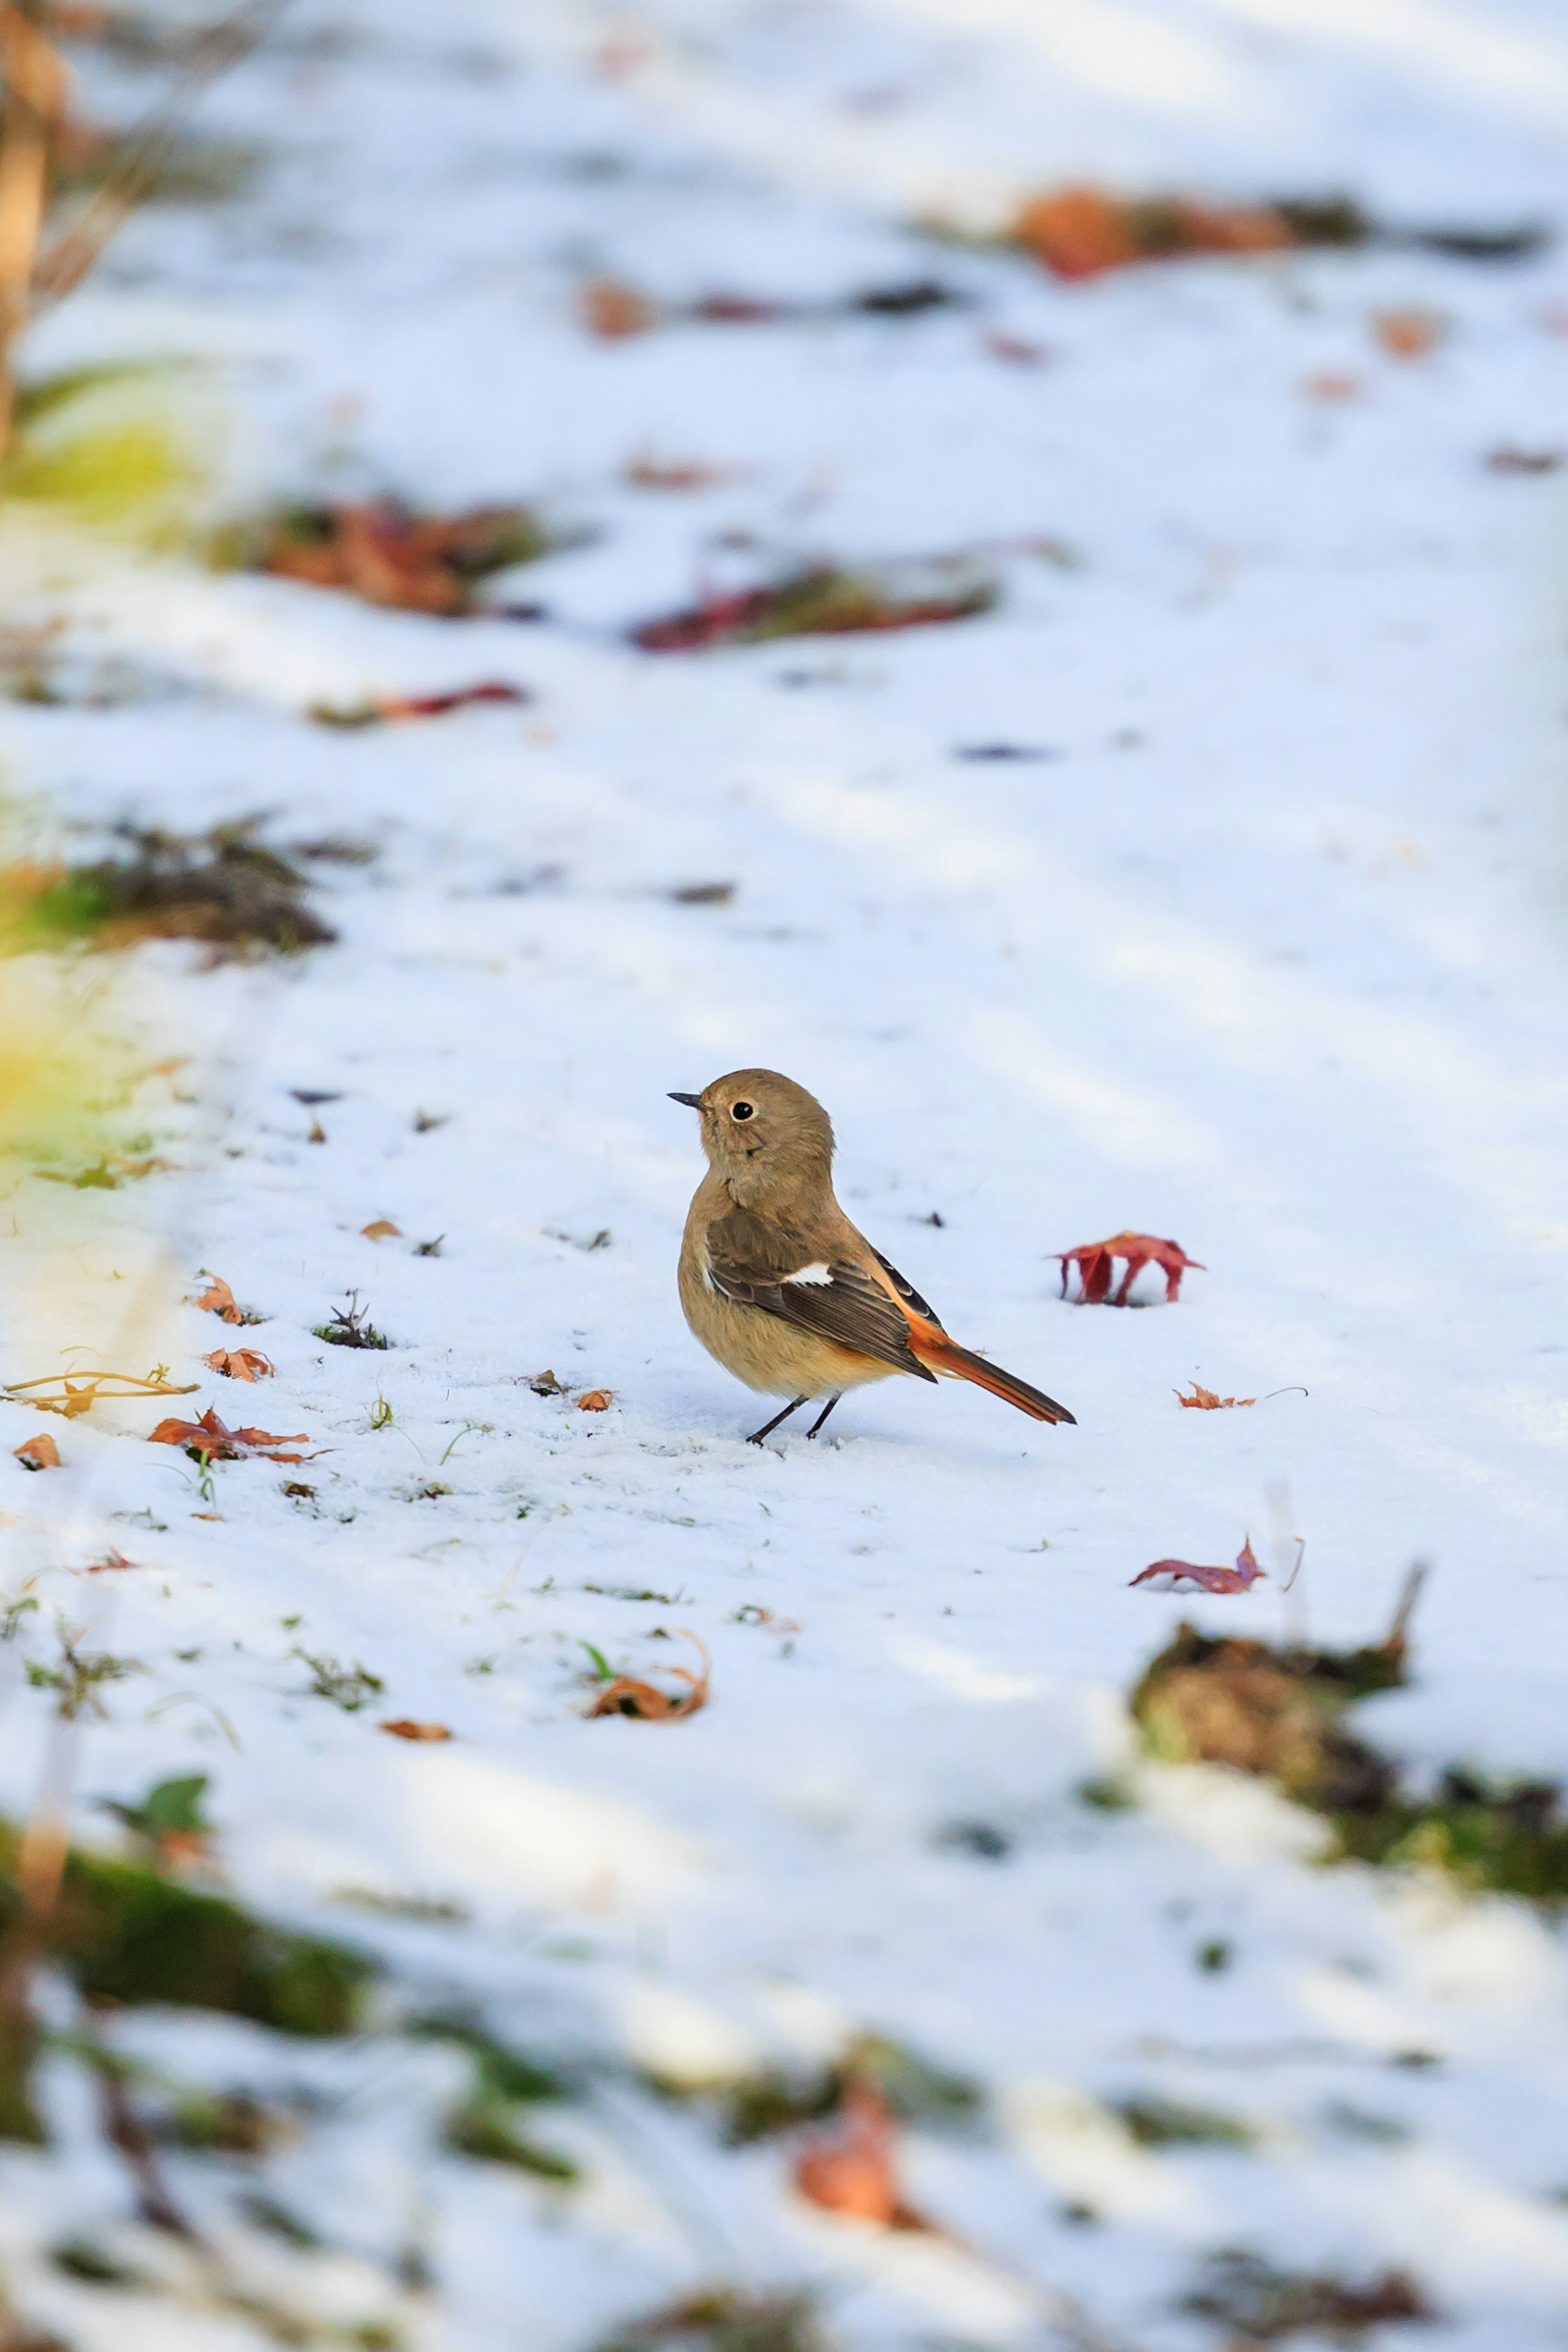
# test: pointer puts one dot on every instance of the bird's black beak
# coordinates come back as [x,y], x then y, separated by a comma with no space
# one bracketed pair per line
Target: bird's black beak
[693,1102]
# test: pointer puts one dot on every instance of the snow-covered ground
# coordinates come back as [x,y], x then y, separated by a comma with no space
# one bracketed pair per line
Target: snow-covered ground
[1267,955]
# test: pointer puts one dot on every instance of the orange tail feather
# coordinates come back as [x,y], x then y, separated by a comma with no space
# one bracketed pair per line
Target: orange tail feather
[935,1350]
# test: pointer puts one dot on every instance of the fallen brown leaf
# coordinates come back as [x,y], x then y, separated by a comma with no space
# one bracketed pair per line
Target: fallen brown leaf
[403,1727]
[1015,350]
[546,1384]
[595,1399]
[656,474]
[1203,1399]
[381,708]
[218,1299]
[1079,232]
[39,1452]
[209,1437]
[389,556]
[820,600]
[382,1230]
[611,308]
[1331,385]
[852,2169]
[112,1559]
[1509,458]
[240,1363]
[627,1695]
[1409,334]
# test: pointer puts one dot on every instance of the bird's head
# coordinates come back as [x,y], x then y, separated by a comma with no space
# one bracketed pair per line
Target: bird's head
[761,1130]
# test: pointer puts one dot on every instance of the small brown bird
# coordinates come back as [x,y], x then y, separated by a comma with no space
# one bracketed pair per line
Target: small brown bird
[776,1282]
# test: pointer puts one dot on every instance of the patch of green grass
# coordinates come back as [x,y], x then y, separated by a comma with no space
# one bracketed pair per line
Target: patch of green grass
[1155,2121]
[350,1327]
[501,2072]
[82,2258]
[482,2128]
[723,2319]
[1259,2305]
[350,1687]
[126,1932]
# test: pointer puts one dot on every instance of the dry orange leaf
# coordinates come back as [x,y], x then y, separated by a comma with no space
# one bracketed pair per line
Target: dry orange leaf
[595,1400]
[1203,1399]
[672,474]
[239,1363]
[403,1727]
[627,1695]
[220,1300]
[852,2169]
[39,1452]
[1331,385]
[1078,232]
[382,1230]
[1409,334]
[113,1559]
[612,309]
[208,1436]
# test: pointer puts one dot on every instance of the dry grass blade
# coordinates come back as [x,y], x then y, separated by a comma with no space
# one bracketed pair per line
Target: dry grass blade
[76,1393]
[34,109]
[220,46]
[644,1701]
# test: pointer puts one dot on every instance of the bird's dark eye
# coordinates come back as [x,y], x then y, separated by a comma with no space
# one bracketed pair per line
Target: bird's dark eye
[739,1110]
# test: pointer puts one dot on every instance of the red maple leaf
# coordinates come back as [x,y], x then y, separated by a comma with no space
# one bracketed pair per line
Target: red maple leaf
[1187,1576]
[1095,1260]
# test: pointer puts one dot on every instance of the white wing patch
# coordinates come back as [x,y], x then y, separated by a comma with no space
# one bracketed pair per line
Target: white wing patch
[819,1274]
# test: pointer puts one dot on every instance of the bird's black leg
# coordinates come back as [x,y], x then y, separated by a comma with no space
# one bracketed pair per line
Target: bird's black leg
[822,1416]
[768,1427]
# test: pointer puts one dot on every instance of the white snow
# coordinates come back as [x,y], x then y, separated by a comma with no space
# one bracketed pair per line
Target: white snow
[1268,955]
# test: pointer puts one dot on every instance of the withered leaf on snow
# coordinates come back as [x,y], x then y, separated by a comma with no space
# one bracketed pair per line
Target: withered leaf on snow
[387,554]
[208,1436]
[381,1229]
[1094,1261]
[595,1399]
[1081,232]
[1409,334]
[1508,458]
[240,1363]
[403,1727]
[612,309]
[629,1694]
[1203,1399]
[384,708]
[820,601]
[39,1452]
[1186,1576]
[852,2169]
[113,1559]
[219,1299]
[546,1384]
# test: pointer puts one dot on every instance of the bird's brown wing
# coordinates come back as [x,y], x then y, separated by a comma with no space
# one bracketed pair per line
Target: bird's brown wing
[753,1262]
[908,1293]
